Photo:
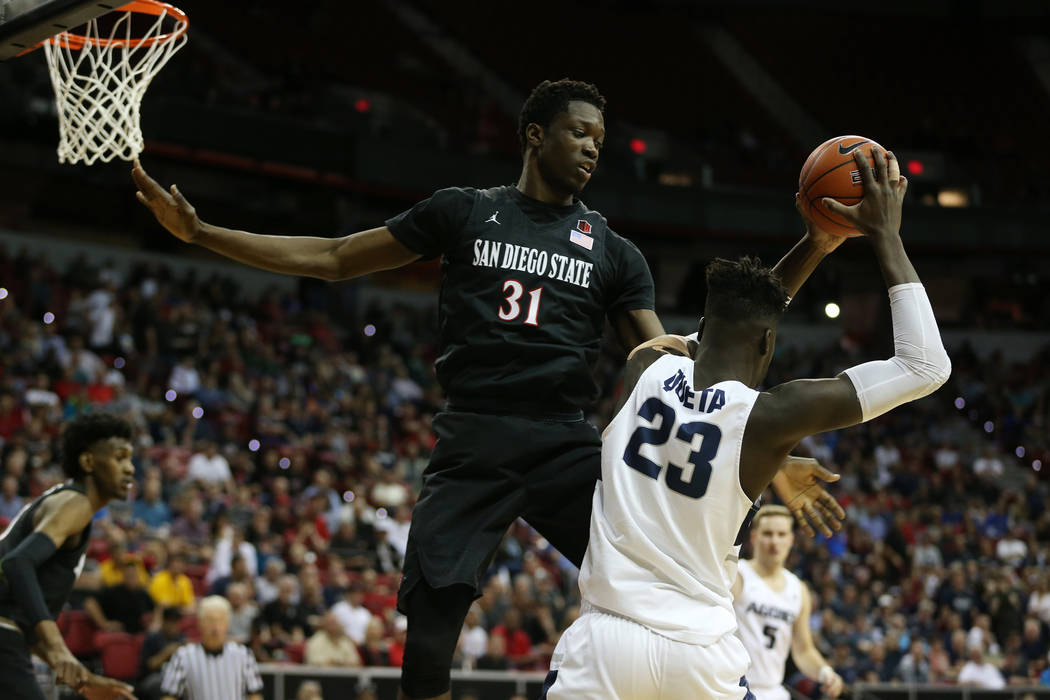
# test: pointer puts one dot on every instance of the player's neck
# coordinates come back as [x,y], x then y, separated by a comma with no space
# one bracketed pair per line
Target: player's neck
[531,184]
[716,364]
[98,501]
[768,570]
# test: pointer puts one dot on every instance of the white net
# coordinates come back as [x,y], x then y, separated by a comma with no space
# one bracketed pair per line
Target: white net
[100,80]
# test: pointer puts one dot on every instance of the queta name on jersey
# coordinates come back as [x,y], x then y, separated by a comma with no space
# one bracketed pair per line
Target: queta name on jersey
[771,612]
[710,400]
[509,256]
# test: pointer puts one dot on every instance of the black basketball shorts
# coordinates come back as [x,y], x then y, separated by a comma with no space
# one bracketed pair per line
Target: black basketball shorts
[485,472]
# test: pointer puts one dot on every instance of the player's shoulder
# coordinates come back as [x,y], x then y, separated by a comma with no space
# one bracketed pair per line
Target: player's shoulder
[70,502]
[594,216]
[456,194]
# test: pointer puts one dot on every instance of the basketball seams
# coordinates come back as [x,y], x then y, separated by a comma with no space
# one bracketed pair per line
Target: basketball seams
[851,161]
[815,157]
[808,184]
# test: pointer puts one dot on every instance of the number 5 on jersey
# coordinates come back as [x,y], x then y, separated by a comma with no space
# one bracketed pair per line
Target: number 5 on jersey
[514,290]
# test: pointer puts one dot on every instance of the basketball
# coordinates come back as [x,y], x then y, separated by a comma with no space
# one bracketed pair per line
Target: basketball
[831,171]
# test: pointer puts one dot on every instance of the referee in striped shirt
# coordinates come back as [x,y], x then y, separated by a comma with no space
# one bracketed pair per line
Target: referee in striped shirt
[214,668]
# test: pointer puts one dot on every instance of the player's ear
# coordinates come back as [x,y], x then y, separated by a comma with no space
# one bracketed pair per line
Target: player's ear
[534,135]
[87,462]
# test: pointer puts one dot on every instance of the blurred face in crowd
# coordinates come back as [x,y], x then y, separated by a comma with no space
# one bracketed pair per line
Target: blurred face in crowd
[171,625]
[131,576]
[237,593]
[286,589]
[771,540]
[331,625]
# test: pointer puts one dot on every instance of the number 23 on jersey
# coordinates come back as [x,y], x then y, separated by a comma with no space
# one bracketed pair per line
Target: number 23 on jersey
[662,416]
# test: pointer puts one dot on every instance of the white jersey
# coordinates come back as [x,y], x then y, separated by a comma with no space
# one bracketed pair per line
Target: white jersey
[669,507]
[766,618]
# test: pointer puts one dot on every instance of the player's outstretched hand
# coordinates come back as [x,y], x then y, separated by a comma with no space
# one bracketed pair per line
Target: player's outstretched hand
[102,688]
[799,483]
[879,212]
[825,241]
[169,206]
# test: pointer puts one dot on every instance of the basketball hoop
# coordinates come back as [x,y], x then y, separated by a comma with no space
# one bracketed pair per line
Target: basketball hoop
[100,80]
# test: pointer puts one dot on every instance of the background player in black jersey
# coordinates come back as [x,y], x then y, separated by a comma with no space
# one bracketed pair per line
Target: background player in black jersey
[529,277]
[42,553]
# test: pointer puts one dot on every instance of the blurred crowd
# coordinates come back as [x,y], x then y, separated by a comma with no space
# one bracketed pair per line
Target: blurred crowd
[280,443]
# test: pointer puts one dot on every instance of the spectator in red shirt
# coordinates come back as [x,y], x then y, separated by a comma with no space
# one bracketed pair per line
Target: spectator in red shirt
[518,644]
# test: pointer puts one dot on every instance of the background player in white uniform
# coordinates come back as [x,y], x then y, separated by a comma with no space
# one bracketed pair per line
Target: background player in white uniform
[690,450]
[773,607]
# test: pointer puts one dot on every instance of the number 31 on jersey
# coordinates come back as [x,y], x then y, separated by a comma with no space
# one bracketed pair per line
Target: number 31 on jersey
[510,309]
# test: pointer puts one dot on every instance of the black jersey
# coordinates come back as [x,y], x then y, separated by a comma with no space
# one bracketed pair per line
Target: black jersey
[525,290]
[56,575]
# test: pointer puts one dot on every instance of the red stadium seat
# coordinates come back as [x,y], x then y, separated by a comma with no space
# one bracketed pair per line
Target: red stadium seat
[120,654]
[78,631]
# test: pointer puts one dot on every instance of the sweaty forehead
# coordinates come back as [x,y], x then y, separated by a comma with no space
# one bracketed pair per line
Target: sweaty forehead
[584,113]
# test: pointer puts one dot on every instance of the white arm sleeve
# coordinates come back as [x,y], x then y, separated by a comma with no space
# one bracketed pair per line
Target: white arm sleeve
[919,364]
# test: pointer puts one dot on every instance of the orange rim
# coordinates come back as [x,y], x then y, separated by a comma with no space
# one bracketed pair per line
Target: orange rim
[75,42]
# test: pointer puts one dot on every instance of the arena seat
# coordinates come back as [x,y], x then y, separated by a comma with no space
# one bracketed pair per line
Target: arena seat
[78,631]
[120,654]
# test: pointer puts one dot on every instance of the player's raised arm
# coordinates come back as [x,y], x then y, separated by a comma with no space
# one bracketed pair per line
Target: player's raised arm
[309,256]
[800,262]
[920,365]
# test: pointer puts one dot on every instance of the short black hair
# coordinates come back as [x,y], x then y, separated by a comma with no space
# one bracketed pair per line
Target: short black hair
[743,289]
[549,99]
[81,433]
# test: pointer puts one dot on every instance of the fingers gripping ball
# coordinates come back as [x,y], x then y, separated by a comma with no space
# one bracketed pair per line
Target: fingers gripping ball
[831,171]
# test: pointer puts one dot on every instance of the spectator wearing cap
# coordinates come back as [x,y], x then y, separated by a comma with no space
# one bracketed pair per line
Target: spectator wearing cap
[329,645]
[216,667]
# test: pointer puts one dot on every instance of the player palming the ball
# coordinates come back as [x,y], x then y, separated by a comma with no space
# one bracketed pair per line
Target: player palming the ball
[693,446]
